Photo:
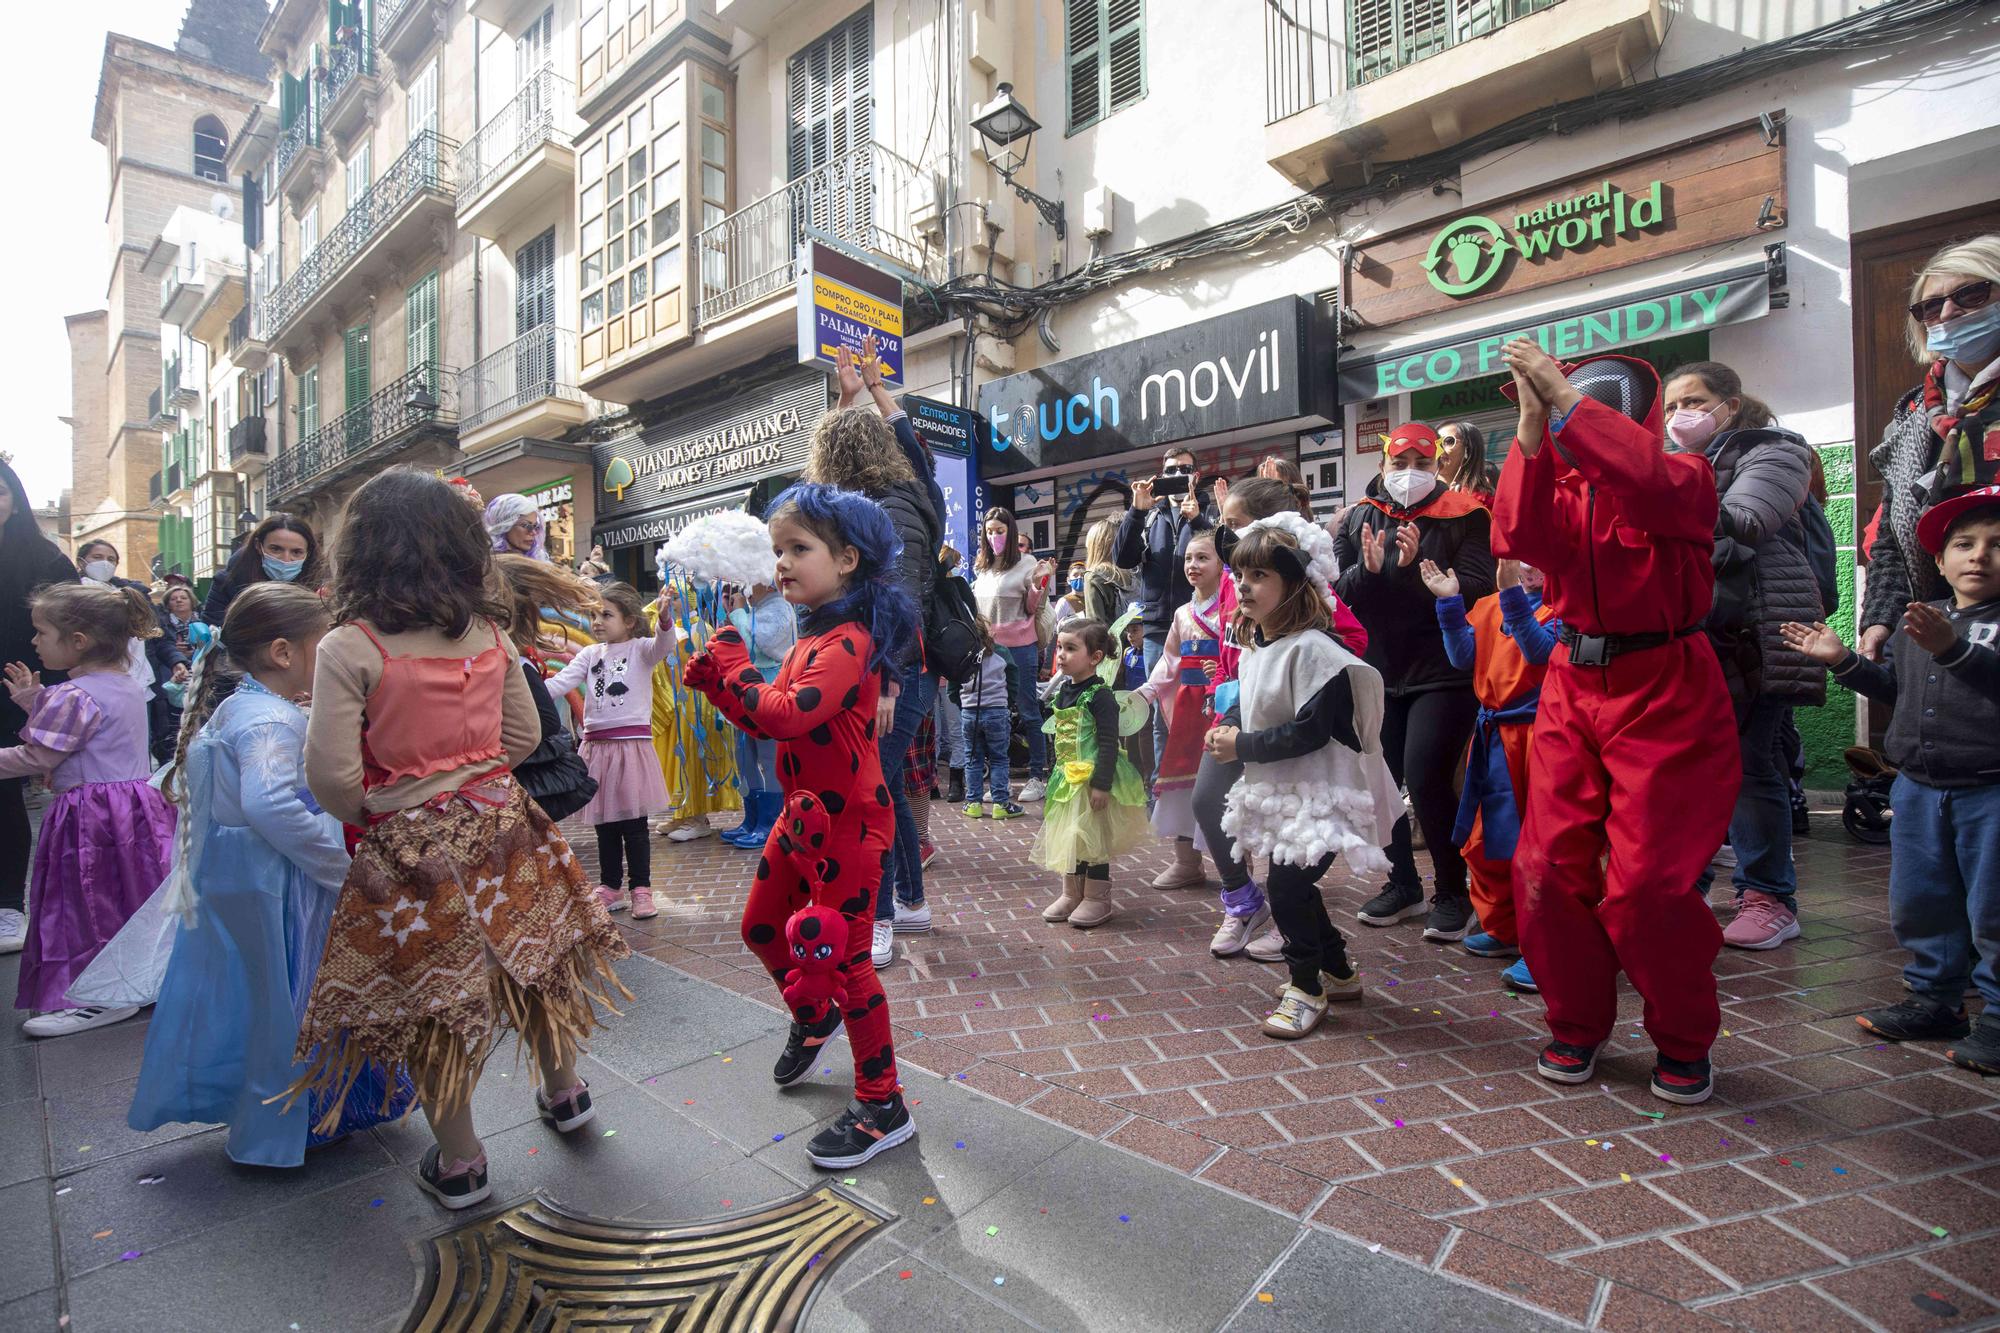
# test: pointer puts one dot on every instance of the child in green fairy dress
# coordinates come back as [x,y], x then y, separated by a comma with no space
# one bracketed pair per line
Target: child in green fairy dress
[1095,807]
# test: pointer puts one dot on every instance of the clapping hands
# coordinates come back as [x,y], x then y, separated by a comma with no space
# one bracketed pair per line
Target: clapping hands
[1441,582]
[1375,545]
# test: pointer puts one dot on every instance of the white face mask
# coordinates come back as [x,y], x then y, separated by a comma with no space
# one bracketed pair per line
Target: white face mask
[99,570]
[1408,486]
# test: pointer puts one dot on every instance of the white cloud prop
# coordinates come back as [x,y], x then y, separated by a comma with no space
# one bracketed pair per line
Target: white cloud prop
[728,547]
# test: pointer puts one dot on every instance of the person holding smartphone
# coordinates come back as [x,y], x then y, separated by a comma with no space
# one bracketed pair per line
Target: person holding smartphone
[1163,510]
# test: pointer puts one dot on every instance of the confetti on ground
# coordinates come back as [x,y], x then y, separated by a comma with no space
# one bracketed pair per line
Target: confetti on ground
[1266,1297]
[815,1259]
[129,1256]
[728,1203]
[1391,982]
[100,1235]
[1622,1176]
[906,1275]
[1457,1184]
[1727,1033]
[961,1078]
[1654,1115]
[1604,1147]
[652,1080]
[610,1133]
[1939,1232]
[849,1180]
[1375,1248]
[374,1203]
[1749,1119]
[1840,1170]
[993,1231]
[1932,1302]
[151,1180]
[84,1148]
[1666,1157]
[64,1190]
[729,1059]
[999,1281]
[960,1145]
[1397,1123]
[1124,1217]
[777,1138]
[1590,1143]
[1784,1161]
[930,1198]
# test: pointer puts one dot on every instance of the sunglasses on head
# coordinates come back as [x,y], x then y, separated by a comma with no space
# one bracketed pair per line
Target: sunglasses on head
[1971,296]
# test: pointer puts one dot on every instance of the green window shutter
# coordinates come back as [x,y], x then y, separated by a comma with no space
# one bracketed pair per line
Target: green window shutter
[288,103]
[420,324]
[1125,54]
[355,347]
[1104,51]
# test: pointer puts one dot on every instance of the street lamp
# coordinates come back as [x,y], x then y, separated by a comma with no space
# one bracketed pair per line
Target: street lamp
[1005,123]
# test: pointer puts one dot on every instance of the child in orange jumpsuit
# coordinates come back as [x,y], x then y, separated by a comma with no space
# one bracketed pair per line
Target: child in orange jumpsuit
[1505,640]
[1631,789]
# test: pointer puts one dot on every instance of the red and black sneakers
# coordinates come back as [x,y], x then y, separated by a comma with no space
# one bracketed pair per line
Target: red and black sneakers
[1561,1062]
[1683,1082]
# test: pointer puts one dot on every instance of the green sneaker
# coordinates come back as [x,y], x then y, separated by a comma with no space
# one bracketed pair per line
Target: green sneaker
[1007,810]
[974,811]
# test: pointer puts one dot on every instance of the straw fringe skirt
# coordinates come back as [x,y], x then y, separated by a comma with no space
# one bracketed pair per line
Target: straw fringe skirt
[455,924]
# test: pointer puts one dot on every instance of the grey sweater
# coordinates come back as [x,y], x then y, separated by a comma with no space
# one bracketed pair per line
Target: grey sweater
[1763,477]
[1947,718]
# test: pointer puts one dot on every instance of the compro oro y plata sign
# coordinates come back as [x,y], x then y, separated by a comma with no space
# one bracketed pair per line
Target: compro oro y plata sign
[842,301]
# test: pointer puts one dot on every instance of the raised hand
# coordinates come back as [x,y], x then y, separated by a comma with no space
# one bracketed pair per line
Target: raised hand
[1815,641]
[1441,582]
[1221,493]
[22,684]
[1507,574]
[1529,362]
[1928,628]
[1406,544]
[1374,545]
[848,374]
[1142,494]
[871,361]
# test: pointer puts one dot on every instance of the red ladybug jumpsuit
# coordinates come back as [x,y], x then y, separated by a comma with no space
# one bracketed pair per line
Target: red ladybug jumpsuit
[821,712]
[1634,768]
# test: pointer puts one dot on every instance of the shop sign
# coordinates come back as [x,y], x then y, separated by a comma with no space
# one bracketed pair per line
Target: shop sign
[841,301]
[953,433]
[1247,368]
[731,442]
[662,525]
[1567,336]
[555,500]
[1694,195]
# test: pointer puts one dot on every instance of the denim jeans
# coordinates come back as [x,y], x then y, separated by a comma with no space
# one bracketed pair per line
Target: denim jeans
[1152,648]
[1760,828]
[951,738]
[1027,660]
[985,731]
[1944,888]
[903,877]
[756,763]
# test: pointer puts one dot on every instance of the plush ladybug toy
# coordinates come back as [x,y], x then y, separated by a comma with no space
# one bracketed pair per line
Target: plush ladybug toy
[817,937]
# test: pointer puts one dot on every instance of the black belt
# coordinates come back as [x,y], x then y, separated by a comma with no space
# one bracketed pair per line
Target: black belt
[1599,649]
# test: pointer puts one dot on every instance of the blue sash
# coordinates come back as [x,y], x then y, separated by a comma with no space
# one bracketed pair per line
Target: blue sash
[1489,789]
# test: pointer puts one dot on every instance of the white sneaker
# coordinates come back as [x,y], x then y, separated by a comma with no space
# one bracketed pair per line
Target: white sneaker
[13,930]
[1032,790]
[688,832]
[912,920]
[1235,931]
[62,1022]
[1267,948]
[1297,1014]
[884,952]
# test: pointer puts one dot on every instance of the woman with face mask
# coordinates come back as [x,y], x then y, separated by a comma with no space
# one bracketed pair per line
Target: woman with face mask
[151,662]
[1944,434]
[283,547]
[1763,578]
[1408,516]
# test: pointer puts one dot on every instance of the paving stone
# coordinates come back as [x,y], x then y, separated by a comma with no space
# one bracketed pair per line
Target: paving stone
[1652,1266]
[27,1238]
[1889,1293]
[1792,1309]
[1377,1221]
[1325,1273]
[1265,1181]
[1853,1226]
[1753,1251]
[1621,1211]
[1523,1275]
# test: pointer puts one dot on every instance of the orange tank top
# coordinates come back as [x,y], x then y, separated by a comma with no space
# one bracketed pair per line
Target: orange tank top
[433,714]
[1502,673]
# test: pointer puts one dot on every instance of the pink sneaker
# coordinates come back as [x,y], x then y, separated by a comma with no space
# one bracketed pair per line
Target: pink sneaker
[1761,923]
[642,904]
[612,899]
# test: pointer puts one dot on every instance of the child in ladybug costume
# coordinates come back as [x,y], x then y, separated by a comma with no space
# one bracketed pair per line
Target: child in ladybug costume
[1632,787]
[835,549]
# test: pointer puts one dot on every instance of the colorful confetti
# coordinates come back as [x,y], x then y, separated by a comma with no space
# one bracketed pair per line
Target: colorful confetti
[999,1281]
[777,1138]
[930,1199]
[906,1275]
[129,1256]
[374,1203]
[100,1235]
[610,1133]
[993,1231]
[1266,1297]
[1939,1232]
[1124,1217]
[1622,1176]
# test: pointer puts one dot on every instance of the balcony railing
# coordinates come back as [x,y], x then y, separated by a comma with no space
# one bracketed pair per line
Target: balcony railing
[540,113]
[1310,45]
[246,440]
[301,134]
[176,478]
[539,364]
[422,397]
[153,489]
[422,168]
[350,58]
[155,404]
[863,198]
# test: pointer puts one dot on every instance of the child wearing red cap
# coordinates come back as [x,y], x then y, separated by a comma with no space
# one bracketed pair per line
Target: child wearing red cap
[1944,878]
[1631,792]
[1430,710]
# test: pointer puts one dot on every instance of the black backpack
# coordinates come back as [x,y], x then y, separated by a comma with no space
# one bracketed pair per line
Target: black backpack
[1822,554]
[951,632]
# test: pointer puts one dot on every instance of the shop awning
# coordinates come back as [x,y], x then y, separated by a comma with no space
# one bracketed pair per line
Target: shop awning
[1689,302]
[658,525]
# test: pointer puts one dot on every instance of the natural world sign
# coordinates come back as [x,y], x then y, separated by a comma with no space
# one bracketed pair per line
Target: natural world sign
[1468,254]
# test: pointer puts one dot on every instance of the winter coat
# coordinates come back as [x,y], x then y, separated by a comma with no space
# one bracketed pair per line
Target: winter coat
[1150,541]
[916,571]
[1399,612]
[1899,570]
[1763,477]
[27,561]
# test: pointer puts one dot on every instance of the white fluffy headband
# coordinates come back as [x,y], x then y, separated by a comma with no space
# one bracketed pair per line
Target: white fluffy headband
[1322,568]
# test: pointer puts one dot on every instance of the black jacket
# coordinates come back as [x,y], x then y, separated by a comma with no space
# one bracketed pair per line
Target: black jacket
[1395,607]
[26,563]
[919,523]
[1947,708]
[1151,542]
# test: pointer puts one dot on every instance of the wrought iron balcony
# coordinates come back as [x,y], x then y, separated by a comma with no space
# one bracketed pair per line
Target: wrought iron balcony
[540,113]
[422,402]
[158,414]
[1311,46]
[176,478]
[351,59]
[539,364]
[300,135]
[422,170]
[863,198]
[246,440]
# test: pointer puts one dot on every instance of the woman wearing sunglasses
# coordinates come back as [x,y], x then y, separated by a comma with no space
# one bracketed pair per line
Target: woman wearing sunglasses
[1945,434]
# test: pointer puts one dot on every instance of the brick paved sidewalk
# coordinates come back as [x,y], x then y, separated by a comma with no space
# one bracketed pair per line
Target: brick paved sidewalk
[1832,1183]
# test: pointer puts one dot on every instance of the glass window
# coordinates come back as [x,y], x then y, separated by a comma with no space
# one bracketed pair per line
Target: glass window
[593,269]
[638,284]
[667,223]
[667,183]
[591,203]
[614,184]
[593,310]
[636,164]
[592,164]
[614,218]
[710,215]
[614,296]
[667,269]
[712,101]
[712,183]
[614,141]
[639,125]
[593,234]
[614,253]
[711,144]
[638,235]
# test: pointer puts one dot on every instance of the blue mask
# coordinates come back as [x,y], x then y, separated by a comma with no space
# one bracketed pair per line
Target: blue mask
[282,570]
[1972,339]
[1076,584]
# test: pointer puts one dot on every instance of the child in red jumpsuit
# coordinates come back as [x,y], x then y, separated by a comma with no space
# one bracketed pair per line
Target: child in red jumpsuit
[1633,786]
[835,549]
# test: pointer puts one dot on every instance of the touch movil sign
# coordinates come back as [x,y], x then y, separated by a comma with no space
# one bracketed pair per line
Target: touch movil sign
[1469,254]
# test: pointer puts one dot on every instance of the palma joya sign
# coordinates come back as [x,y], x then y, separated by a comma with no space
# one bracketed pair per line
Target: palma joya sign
[1468,254]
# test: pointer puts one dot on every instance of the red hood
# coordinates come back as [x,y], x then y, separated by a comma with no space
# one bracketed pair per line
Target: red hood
[1655,419]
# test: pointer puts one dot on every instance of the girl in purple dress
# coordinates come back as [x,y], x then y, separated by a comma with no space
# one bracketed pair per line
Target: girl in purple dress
[106,841]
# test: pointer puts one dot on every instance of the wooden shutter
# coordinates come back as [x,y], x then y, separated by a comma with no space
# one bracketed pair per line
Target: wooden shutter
[308,402]
[354,356]
[1371,39]
[253,213]
[535,283]
[829,96]
[1083,50]
[420,323]
[421,107]
[1125,53]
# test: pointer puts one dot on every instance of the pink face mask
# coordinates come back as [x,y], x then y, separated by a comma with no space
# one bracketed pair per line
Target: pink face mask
[999,544]
[1693,430]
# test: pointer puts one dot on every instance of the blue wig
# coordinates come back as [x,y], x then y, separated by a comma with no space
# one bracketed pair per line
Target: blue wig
[884,609]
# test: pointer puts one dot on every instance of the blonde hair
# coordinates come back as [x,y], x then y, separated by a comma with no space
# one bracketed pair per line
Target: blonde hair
[854,448]
[261,614]
[1976,258]
[1100,543]
[535,584]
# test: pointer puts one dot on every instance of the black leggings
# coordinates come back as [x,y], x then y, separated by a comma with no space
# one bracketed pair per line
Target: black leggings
[1313,944]
[621,846]
[13,843]
[1423,738]
[1100,870]
[1212,782]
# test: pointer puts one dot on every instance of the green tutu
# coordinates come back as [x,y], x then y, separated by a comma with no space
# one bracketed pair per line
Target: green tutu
[1072,833]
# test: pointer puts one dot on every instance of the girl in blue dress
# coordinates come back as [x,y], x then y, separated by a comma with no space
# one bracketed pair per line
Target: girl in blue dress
[265,866]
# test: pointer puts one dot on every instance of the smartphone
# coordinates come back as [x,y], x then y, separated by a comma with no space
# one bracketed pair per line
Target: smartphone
[1175,485]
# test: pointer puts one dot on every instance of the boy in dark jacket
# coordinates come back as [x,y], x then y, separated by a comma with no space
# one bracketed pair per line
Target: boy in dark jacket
[1944,880]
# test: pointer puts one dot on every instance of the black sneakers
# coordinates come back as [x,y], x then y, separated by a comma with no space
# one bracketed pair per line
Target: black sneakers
[863,1130]
[796,1060]
[462,1189]
[1449,921]
[1561,1062]
[571,1110]
[1396,902]
[1915,1019]
[1979,1052]
[1683,1082]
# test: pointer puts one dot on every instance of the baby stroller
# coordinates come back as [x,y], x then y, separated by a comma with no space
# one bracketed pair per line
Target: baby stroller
[1865,815]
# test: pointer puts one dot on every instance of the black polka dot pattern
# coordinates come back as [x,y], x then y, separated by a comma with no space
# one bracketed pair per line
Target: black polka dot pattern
[761,933]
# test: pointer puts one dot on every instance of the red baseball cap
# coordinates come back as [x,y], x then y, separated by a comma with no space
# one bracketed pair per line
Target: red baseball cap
[1932,527]
[1412,435]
